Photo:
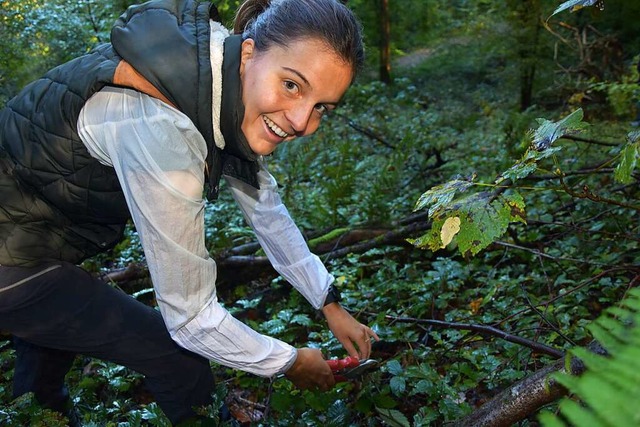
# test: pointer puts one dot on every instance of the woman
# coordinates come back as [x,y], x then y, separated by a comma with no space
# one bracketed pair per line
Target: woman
[138,128]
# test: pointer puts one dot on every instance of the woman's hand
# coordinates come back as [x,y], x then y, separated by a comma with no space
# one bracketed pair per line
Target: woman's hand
[311,371]
[349,331]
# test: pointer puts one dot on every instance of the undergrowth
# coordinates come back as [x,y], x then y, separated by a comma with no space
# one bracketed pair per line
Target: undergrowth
[545,280]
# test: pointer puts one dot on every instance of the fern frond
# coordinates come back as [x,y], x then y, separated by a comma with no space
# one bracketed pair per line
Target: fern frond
[609,389]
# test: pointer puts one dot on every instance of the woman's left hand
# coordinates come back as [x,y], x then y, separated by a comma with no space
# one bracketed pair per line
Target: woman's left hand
[349,331]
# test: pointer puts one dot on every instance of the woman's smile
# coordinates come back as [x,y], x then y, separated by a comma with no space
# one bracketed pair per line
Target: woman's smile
[275,128]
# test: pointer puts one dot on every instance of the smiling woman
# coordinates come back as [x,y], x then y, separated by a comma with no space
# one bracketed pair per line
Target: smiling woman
[139,129]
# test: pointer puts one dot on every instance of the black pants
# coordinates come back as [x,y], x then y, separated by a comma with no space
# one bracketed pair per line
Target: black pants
[56,311]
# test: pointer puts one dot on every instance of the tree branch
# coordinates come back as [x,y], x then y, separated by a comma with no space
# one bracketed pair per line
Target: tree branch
[365,131]
[486,331]
[590,141]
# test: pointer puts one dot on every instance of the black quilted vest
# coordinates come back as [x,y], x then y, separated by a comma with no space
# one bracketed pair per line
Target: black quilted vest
[56,201]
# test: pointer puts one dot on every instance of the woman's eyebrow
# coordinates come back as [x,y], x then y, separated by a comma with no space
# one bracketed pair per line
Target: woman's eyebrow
[299,74]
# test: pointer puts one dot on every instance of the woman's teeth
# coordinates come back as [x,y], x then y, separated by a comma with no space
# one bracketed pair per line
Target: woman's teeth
[274,127]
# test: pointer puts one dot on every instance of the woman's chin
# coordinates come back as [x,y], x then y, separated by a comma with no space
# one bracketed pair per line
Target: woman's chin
[263,148]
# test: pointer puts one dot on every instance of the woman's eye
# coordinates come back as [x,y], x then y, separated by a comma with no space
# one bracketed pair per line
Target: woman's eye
[290,86]
[322,109]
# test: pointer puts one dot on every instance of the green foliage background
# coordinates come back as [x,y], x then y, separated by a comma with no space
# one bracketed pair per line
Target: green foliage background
[452,114]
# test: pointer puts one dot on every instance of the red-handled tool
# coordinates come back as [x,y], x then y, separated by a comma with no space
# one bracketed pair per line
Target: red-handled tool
[350,368]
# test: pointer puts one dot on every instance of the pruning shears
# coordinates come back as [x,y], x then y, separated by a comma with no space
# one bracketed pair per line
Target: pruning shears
[350,368]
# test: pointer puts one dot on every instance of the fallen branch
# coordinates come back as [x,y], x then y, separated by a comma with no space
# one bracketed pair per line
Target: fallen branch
[525,397]
[130,273]
[240,265]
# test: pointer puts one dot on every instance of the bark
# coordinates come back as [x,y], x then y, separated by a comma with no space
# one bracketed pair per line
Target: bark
[241,265]
[385,42]
[525,397]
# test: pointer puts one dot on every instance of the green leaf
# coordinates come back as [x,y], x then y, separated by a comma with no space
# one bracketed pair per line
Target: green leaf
[338,414]
[549,419]
[394,367]
[573,4]
[578,416]
[518,171]
[384,401]
[542,138]
[440,196]
[393,417]
[301,319]
[628,162]
[422,386]
[482,223]
[549,132]
[609,387]
[398,385]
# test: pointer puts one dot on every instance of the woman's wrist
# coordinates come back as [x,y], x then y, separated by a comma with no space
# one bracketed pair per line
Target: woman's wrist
[331,308]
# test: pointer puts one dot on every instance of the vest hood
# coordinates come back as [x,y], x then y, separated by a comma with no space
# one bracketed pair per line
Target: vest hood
[167,41]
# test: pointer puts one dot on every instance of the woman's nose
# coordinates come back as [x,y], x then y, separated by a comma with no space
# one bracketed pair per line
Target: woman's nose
[300,118]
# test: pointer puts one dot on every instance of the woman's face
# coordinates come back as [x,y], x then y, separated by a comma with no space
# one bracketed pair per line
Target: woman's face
[287,90]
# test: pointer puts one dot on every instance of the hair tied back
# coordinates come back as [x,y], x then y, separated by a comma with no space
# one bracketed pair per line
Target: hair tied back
[248,11]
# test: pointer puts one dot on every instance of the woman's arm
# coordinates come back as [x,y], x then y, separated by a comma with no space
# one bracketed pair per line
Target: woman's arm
[280,238]
[289,254]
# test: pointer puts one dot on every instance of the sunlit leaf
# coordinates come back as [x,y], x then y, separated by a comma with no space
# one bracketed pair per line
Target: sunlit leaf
[450,228]
[478,220]
[628,162]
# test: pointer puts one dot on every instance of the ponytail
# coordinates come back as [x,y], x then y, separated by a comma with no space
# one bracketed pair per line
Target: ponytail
[280,22]
[248,11]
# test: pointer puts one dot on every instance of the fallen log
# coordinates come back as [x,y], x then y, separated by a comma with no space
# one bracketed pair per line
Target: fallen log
[527,396]
[241,265]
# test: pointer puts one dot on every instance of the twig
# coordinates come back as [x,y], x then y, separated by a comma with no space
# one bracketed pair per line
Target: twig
[365,131]
[569,292]
[5,345]
[590,195]
[551,257]
[483,330]
[590,141]
[545,320]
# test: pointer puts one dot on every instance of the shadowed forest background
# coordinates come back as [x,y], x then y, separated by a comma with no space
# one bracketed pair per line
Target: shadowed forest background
[476,197]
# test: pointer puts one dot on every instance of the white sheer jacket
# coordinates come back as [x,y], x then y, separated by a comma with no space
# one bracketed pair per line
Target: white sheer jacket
[159,158]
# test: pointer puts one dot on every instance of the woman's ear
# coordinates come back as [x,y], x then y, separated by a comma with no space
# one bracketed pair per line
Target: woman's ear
[246,53]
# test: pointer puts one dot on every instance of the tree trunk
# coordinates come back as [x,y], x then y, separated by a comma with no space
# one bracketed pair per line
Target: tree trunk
[525,20]
[385,42]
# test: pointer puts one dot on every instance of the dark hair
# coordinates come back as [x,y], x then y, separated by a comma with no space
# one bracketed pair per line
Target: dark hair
[279,22]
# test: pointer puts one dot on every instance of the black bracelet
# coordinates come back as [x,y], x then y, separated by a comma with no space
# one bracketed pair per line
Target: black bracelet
[332,296]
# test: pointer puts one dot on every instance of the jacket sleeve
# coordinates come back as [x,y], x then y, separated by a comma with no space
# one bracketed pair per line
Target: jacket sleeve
[280,238]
